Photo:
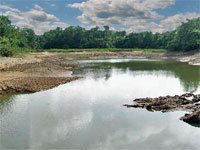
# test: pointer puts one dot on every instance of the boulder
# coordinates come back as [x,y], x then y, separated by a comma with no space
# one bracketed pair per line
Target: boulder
[193,118]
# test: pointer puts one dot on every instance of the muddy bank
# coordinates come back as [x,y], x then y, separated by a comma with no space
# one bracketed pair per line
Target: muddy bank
[40,71]
[32,84]
[192,58]
[187,102]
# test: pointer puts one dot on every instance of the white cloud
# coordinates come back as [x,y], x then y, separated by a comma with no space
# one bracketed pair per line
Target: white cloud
[37,7]
[174,21]
[133,15]
[9,8]
[13,15]
[36,19]
[168,24]
[60,24]
[108,12]
[39,15]
[157,4]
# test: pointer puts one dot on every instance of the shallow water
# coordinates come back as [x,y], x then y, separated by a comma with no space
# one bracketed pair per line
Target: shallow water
[88,113]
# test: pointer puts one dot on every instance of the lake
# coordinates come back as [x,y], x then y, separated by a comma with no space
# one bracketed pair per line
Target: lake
[88,113]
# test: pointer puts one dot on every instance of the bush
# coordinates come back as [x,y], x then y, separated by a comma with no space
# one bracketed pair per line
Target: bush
[4,51]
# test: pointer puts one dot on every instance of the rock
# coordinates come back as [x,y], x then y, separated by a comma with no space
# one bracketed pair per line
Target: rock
[196,100]
[193,118]
[188,95]
[172,103]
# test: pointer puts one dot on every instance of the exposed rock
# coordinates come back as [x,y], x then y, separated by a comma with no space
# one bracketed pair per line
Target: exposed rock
[172,103]
[193,118]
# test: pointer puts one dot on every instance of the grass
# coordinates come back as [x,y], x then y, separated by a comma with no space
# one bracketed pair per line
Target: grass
[21,51]
[105,50]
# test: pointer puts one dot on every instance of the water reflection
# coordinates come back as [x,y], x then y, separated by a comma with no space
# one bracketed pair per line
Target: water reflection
[88,113]
[6,103]
[187,74]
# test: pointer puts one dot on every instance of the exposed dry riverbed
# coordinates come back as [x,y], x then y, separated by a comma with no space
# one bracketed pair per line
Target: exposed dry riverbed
[41,71]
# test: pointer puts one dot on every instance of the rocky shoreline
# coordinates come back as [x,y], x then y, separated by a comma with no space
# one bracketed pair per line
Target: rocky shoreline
[32,84]
[38,74]
[187,102]
[40,71]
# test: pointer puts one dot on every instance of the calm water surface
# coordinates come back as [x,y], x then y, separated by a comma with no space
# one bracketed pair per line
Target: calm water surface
[88,113]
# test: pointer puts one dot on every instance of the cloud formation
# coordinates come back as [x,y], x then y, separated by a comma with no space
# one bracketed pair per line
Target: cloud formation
[134,15]
[167,24]
[109,11]
[129,15]
[36,19]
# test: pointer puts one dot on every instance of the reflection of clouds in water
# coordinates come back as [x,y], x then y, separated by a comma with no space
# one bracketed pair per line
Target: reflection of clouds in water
[59,131]
[189,76]
[112,60]
[197,91]
[88,114]
[110,132]
[52,121]
[10,111]
[125,85]
[156,135]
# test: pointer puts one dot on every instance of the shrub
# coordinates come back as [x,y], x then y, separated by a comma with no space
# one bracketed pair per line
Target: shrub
[4,51]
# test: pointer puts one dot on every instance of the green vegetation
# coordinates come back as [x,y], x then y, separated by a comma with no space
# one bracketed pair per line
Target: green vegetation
[72,39]
[105,50]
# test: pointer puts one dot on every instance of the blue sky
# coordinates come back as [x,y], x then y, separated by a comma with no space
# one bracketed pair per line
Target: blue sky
[129,15]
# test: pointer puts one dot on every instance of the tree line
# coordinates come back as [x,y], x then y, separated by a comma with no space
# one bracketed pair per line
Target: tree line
[184,38]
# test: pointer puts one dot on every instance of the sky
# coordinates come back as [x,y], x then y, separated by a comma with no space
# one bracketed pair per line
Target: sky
[129,15]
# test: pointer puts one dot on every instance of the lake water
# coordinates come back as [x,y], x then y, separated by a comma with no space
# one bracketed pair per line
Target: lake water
[88,113]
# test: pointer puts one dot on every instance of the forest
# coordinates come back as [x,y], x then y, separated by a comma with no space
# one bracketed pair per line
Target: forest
[12,38]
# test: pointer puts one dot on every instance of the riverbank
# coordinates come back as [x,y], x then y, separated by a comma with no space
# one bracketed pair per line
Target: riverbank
[34,72]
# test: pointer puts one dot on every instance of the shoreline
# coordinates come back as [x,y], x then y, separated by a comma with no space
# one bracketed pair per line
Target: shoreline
[36,72]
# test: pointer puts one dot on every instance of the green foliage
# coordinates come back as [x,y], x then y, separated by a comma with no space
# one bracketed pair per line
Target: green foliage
[13,40]
[6,52]
[186,37]
[9,36]
[5,25]
[4,48]
[28,39]
[105,50]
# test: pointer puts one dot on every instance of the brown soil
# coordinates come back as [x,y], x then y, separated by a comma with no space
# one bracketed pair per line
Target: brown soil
[40,72]
[47,70]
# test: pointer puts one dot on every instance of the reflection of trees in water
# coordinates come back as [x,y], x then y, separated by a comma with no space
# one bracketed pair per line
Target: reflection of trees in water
[188,75]
[6,103]
[95,71]
[194,125]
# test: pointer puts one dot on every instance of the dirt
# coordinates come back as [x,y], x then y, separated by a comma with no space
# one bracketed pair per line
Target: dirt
[32,84]
[187,102]
[33,73]
[193,58]
[39,67]
[41,71]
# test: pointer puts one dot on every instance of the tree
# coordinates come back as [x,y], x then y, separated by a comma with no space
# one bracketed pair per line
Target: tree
[185,37]
[8,36]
